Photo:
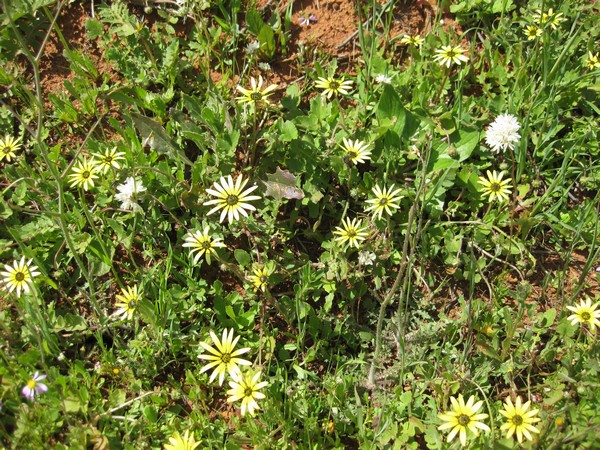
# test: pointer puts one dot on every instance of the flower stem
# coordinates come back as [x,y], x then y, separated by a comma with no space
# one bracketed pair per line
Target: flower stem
[438,95]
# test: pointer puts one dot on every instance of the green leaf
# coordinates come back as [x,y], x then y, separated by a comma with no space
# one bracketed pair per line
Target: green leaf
[502,6]
[242,257]
[546,319]
[466,142]
[5,210]
[254,22]
[42,225]
[391,108]
[266,38]
[81,240]
[445,162]
[70,322]
[94,28]
[151,414]
[71,405]
[288,131]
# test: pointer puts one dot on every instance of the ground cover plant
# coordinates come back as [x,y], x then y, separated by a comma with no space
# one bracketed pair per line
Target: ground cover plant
[293,224]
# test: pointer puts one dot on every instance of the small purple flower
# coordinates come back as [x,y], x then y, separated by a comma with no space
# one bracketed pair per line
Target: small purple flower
[306,21]
[33,386]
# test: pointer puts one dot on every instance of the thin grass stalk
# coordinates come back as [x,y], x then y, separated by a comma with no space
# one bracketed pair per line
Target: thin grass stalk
[43,151]
[404,262]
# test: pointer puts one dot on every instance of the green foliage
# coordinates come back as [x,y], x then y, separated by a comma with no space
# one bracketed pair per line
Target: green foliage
[361,347]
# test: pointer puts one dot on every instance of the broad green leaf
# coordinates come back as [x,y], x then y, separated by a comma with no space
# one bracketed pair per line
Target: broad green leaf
[465,142]
[391,108]
[254,21]
[288,131]
[266,38]
[242,257]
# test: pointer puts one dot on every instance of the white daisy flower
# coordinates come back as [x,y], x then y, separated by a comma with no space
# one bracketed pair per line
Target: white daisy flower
[128,194]
[503,133]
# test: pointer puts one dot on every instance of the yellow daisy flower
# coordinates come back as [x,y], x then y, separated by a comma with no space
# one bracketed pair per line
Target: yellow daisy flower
[255,94]
[8,147]
[494,187]
[84,174]
[231,198]
[592,62]
[463,417]
[533,32]
[554,19]
[18,277]
[519,421]
[448,55]
[185,442]
[356,151]
[385,200]
[127,303]
[223,357]
[245,388]
[351,233]
[332,86]
[109,159]
[412,40]
[585,313]
[202,243]
[260,277]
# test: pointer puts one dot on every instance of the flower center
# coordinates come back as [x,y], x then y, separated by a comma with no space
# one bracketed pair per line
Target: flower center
[85,174]
[248,392]
[19,276]
[226,358]
[131,304]
[351,233]
[206,245]
[463,420]
[517,420]
[232,200]
[352,154]
[334,85]
[495,187]
[452,54]
[6,149]
[263,279]
[31,384]
[108,159]
[586,316]
[383,201]
[256,96]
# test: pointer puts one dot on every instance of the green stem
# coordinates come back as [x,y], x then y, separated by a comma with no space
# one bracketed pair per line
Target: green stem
[50,165]
[438,95]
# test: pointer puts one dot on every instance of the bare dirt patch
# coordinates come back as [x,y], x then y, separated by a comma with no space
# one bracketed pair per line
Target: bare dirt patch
[54,67]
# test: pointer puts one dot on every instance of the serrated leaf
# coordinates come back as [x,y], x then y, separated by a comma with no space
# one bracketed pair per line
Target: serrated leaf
[288,131]
[94,28]
[254,21]
[282,184]
[38,227]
